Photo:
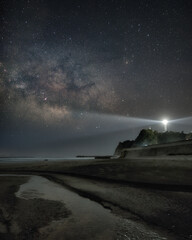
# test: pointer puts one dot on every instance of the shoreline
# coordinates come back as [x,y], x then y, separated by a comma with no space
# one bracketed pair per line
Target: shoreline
[48,219]
[16,221]
[118,199]
[135,189]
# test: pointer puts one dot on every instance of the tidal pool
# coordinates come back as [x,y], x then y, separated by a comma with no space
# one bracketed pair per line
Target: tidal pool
[89,220]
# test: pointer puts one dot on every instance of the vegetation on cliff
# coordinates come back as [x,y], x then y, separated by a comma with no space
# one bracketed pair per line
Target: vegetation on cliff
[149,137]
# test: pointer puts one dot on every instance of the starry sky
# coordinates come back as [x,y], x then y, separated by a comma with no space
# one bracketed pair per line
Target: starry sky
[80,76]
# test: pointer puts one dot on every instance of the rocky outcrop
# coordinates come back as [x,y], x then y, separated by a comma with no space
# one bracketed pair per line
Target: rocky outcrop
[148,137]
[122,145]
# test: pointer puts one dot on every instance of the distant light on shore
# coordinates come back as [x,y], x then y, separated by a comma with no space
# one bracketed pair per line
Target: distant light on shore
[165,122]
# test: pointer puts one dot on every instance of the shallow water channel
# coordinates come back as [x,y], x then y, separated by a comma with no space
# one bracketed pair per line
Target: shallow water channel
[88,219]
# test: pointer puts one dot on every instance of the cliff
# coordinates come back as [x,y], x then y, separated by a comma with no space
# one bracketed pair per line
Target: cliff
[149,137]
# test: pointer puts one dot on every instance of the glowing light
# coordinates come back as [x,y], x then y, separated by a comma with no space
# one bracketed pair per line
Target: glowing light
[165,122]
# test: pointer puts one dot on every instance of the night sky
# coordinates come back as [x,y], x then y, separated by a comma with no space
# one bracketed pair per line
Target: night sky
[77,77]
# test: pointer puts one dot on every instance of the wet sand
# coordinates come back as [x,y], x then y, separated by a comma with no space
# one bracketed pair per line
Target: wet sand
[169,211]
[20,218]
[142,198]
[36,208]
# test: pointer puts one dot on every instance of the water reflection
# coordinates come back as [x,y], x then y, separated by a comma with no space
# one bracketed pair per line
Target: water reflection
[89,220]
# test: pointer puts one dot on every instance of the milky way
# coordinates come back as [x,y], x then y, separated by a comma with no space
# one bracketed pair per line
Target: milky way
[60,61]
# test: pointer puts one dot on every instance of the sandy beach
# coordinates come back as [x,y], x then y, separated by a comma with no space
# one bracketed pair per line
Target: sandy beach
[32,207]
[21,218]
[49,200]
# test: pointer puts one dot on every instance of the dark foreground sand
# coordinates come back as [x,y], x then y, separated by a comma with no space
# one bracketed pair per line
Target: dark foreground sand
[152,200]
[37,211]
[21,219]
[168,210]
[136,213]
[171,170]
